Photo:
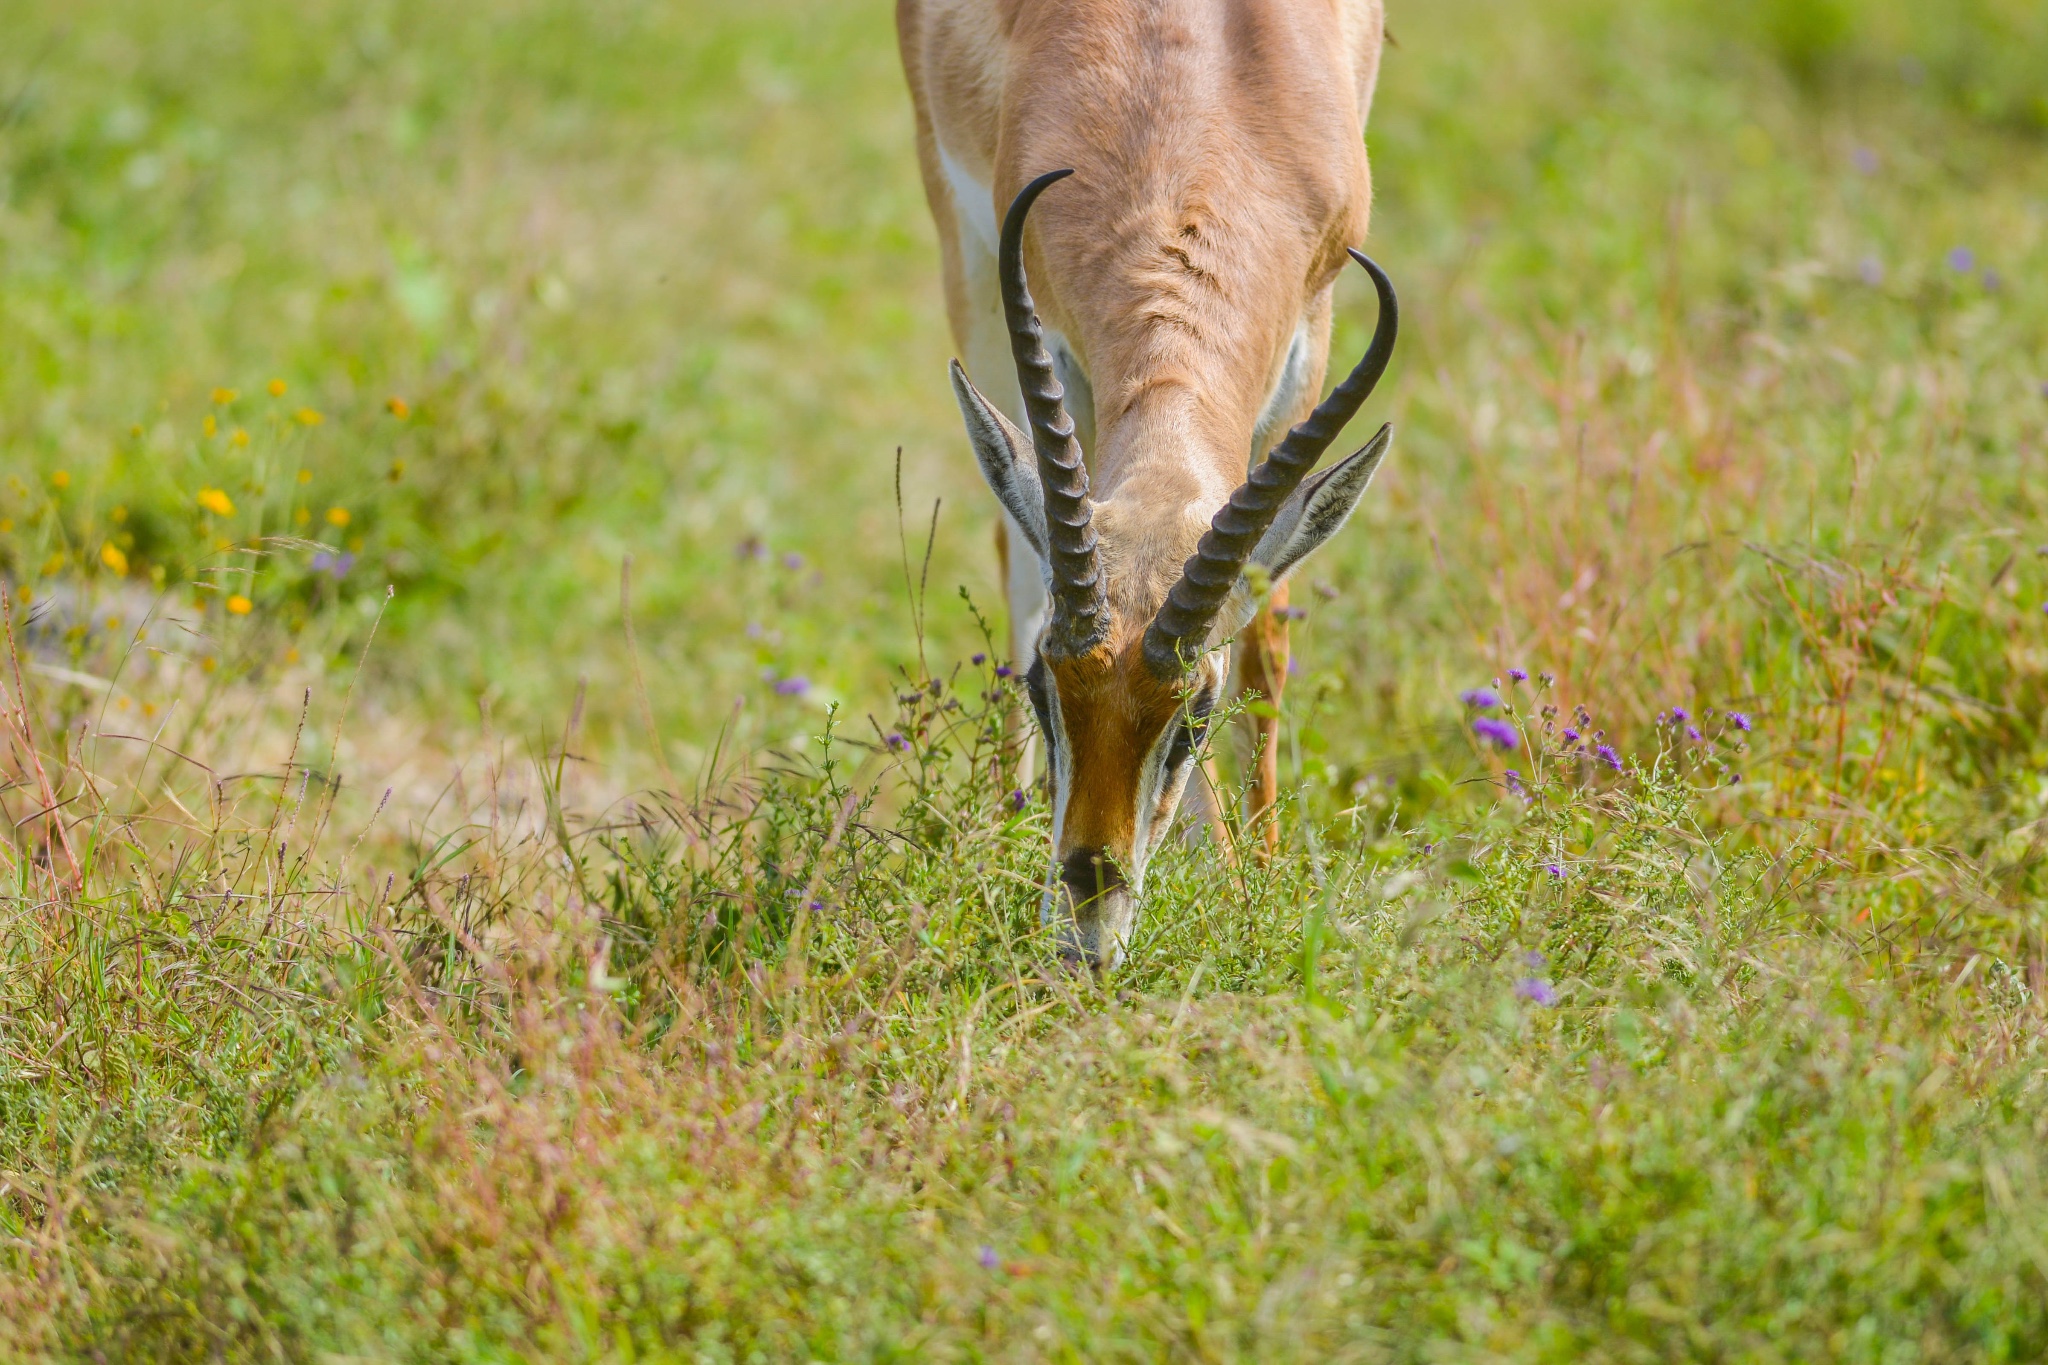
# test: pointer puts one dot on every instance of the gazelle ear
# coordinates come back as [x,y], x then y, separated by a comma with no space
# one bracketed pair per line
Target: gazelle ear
[1006,459]
[1320,507]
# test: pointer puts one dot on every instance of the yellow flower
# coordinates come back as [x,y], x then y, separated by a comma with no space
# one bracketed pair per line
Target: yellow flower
[276,387]
[306,417]
[209,426]
[61,479]
[240,605]
[305,476]
[291,656]
[119,514]
[216,501]
[399,407]
[111,556]
[337,516]
[240,438]
[301,517]
[225,396]
[6,525]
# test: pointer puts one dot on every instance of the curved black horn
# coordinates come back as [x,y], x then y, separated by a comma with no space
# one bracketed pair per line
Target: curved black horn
[1079,609]
[1190,610]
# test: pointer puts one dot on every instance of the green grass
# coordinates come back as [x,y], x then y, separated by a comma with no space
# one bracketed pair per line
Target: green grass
[389,994]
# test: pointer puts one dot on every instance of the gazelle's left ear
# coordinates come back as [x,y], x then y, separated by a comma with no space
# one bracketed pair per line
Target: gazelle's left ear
[1006,459]
[1320,507]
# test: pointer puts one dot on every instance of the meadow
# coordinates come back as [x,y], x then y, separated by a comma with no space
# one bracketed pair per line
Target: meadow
[512,852]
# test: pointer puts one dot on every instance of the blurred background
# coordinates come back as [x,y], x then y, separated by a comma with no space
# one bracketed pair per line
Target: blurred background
[474,301]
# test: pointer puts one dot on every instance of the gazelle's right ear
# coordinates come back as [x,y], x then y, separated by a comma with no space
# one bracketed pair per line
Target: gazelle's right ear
[1006,459]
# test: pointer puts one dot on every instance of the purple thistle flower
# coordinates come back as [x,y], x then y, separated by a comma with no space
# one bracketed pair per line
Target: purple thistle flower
[1004,671]
[1735,779]
[1739,720]
[1692,732]
[1518,675]
[1293,667]
[1536,991]
[1605,753]
[1017,799]
[1570,735]
[1496,731]
[895,740]
[987,1257]
[1678,715]
[979,659]
[1962,260]
[792,560]
[1554,870]
[1479,697]
[322,562]
[792,687]
[1513,781]
[343,562]
[816,905]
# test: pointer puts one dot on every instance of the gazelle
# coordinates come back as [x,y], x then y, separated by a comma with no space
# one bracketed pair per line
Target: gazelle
[1218,180]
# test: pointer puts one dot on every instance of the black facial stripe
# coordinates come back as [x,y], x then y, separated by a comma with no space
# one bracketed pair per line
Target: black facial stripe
[1041,705]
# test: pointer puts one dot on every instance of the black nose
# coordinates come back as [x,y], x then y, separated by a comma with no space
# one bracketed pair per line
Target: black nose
[1089,873]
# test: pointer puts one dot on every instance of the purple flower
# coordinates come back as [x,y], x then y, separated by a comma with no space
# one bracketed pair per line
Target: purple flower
[1605,753]
[1993,281]
[1870,270]
[1496,731]
[792,687]
[1513,781]
[322,562]
[1678,715]
[987,1257]
[1293,667]
[1692,732]
[1518,675]
[979,660]
[1554,870]
[1570,736]
[816,905]
[1004,671]
[755,630]
[1734,779]
[1536,991]
[1536,960]
[895,740]
[343,562]
[1739,721]
[1017,799]
[792,560]
[753,548]
[1480,697]
[1864,160]
[1962,260]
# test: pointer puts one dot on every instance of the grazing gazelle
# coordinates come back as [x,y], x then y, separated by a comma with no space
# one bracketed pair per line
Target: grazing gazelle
[1185,274]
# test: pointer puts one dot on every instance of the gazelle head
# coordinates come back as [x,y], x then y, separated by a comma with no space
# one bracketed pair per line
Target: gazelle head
[1128,669]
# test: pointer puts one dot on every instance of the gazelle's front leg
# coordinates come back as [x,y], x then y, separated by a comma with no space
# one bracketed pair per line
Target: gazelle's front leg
[1262,670]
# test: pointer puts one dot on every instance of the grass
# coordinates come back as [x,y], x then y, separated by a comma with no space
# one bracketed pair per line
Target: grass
[375,984]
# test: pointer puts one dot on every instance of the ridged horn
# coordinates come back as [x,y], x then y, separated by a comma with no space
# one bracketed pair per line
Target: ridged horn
[1080,611]
[1181,629]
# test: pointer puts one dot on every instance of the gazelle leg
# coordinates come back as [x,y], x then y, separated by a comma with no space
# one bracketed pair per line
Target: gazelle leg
[1262,669]
[1024,591]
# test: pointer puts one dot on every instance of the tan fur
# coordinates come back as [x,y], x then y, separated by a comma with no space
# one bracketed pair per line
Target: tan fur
[1220,174]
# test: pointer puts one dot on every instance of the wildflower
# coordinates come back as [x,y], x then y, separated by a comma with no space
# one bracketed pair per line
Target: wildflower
[1005,671]
[1679,716]
[979,660]
[987,1257]
[1536,960]
[1546,678]
[1606,754]
[1735,779]
[208,426]
[792,560]
[337,516]
[1496,731]
[223,397]
[343,562]
[1739,720]
[276,387]
[62,478]
[240,605]
[308,417]
[398,407]
[1870,270]
[217,502]
[895,740]
[1518,675]
[1536,990]
[1692,732]
[1513,781]
[1992,281]
[794,686]
[1554,870]
[1962,260]
[1480,697]
[1293,667]
[1017,799]
[238,437]
[1570,736]
[111,556]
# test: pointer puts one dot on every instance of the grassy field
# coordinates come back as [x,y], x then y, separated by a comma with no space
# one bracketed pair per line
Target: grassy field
[411,953]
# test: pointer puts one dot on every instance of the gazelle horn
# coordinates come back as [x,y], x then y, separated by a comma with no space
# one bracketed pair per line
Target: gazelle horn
[1080,614]
[1181,629]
